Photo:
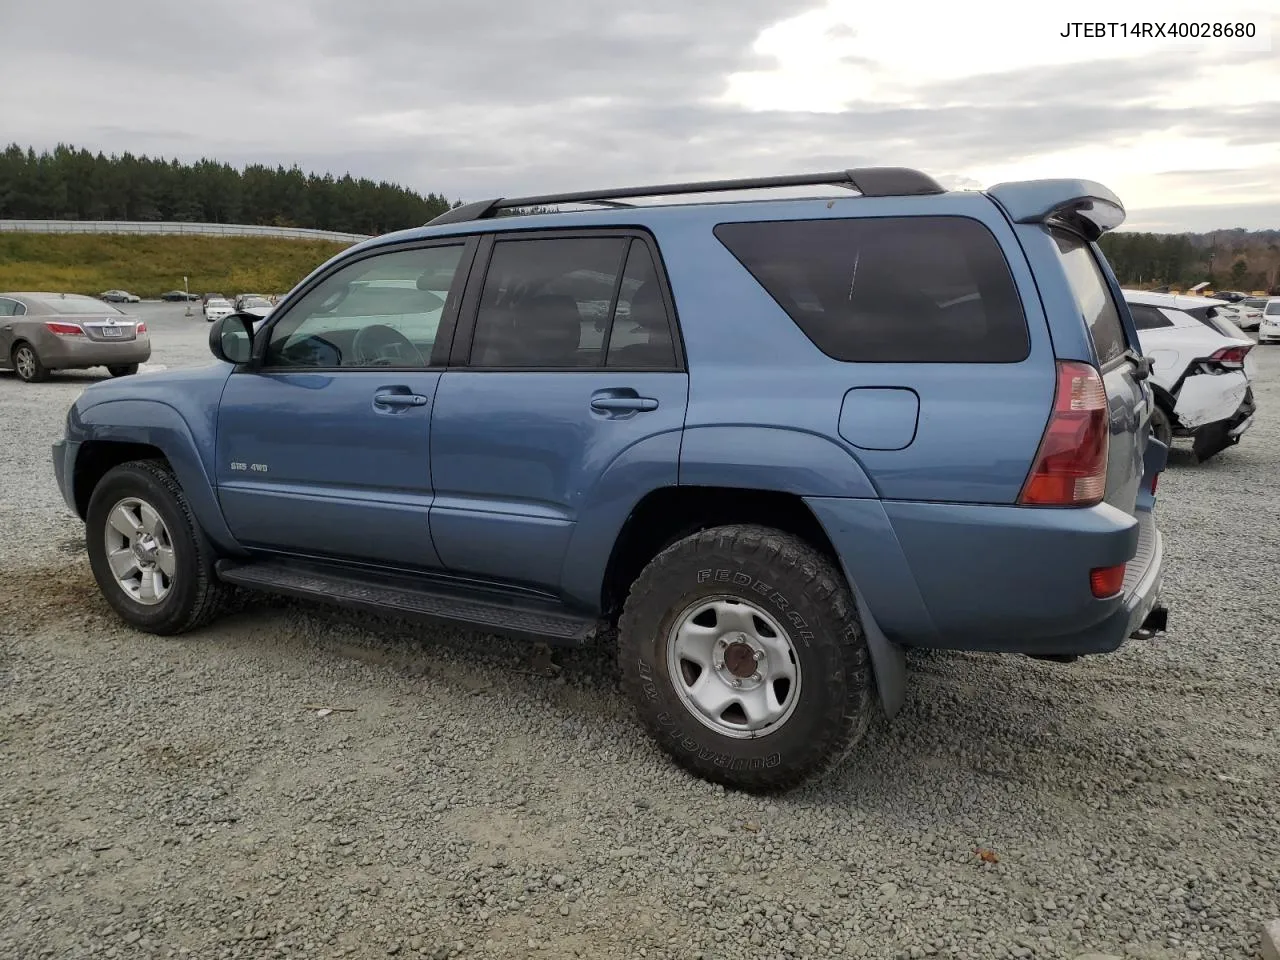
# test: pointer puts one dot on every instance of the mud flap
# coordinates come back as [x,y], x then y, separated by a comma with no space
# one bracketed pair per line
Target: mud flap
[888,660]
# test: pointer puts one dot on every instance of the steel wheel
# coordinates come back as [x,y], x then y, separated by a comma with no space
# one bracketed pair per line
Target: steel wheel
[139,551]
[733,667]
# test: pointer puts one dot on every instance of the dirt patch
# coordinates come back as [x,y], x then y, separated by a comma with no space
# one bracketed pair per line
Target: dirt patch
[37,597]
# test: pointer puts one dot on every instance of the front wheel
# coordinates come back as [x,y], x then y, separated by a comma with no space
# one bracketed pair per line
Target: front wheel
[152,562]
[741,648]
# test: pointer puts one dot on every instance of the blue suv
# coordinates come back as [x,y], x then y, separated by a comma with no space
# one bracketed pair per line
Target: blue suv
[762,446]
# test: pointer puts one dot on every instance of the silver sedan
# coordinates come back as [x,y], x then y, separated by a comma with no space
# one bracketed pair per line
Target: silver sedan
[40,332]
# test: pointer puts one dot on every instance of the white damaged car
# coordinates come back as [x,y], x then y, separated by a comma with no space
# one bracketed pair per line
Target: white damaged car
[1201,370]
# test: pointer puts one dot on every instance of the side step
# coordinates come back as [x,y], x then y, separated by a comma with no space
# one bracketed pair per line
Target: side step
[398,595]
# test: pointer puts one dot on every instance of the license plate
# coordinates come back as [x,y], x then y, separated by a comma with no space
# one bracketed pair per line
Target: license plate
[112,332]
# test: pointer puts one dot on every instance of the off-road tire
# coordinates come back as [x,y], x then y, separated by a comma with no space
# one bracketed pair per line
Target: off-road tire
[803,590]
[196,595]
[123,369]
[1161,428]
[39,372]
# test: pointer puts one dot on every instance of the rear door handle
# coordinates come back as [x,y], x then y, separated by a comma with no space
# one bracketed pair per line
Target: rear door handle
[623,404]
[400,399]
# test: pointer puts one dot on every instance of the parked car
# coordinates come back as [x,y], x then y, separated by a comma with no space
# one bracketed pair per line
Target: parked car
[1201,374]
[42,332]
[217,308]
[822,431]
[253,304]
[1269,328]
[119,296]
[1247,314]
[178,295]
[1229,296]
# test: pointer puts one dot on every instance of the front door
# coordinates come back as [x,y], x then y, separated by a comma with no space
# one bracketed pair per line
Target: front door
[572,380]
[324,446]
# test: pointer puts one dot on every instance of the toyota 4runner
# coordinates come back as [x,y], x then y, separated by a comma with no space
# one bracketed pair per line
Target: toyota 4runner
[763,446]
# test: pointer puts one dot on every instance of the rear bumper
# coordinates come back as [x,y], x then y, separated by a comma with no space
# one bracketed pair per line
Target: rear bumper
[997,578]
[63,353]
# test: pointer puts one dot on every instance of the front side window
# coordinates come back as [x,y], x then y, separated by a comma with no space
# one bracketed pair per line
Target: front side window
[1092,295]
[380,311]
[889,289]
[546,302]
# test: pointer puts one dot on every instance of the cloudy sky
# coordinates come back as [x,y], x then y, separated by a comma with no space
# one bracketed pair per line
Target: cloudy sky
[475,98]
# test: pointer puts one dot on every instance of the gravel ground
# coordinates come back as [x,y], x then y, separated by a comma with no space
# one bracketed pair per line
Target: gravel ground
[183,797]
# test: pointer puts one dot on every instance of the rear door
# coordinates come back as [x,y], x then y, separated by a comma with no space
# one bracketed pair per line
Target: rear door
[565,365]
[1118,353]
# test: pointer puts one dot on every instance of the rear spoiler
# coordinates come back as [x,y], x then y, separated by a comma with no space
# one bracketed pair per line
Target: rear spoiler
[1082,204]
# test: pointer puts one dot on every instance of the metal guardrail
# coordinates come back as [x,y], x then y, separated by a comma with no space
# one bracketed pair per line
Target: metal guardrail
[175,227]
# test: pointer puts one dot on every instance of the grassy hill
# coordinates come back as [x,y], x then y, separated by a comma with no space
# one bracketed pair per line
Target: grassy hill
[150,265]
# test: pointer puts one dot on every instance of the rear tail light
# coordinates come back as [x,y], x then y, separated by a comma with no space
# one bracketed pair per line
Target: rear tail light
[1070,468]
[65,329]
[141,328]
[1106,581]
[1231,356]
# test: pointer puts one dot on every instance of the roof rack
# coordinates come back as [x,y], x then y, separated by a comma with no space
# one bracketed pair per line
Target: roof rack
[868,181]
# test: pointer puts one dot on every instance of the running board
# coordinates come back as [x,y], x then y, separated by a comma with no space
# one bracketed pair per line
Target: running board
[398,595]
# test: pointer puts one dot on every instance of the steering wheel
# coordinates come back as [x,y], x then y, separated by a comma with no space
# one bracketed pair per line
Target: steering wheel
[379,345]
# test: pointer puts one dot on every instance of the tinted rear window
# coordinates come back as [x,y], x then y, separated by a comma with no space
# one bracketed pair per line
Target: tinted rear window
[893,289]
[85,305]
[1092,295]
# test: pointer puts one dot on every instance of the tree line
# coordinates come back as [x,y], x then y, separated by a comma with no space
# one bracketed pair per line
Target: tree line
[1225,259]
[70,183]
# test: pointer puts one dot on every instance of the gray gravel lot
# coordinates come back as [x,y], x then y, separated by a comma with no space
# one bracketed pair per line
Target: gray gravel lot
[167,798]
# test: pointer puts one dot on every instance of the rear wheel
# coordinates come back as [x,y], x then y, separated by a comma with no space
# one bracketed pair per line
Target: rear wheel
[1161,428]
[741,649]
[26,363]
[123,369]
[152,562]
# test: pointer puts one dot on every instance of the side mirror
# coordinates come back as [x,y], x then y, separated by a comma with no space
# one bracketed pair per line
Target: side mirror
[231,338]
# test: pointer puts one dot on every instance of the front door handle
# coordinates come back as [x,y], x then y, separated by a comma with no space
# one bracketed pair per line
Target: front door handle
[623,404]
[399,399]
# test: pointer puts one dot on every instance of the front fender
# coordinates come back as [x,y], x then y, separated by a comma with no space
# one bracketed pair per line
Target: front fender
[157,424]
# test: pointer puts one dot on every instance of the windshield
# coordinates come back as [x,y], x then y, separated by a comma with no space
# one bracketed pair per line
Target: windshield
[77,305]
[1273,308]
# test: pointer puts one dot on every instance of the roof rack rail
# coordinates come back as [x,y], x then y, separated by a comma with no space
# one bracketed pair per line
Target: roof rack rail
[868,181]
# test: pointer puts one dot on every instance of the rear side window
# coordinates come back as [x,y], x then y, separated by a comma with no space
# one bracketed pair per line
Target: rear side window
[1148,318]
[1092,296]
[891,289]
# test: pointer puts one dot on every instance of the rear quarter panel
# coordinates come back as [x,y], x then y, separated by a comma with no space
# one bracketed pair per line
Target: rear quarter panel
[752,368]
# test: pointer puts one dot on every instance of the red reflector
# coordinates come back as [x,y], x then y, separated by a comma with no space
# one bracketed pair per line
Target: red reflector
[142,328]
[1070,468]
[1106,581]
[1155,481]
[65,329]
